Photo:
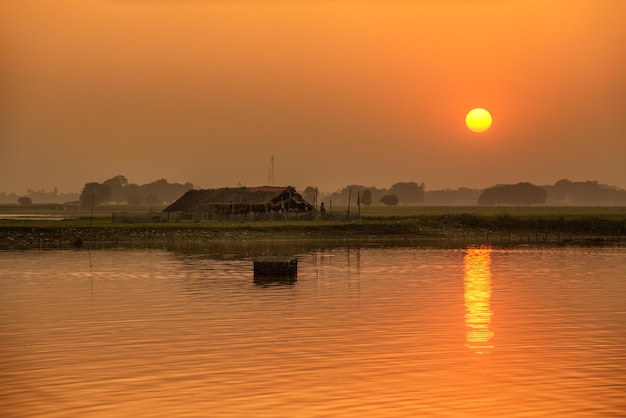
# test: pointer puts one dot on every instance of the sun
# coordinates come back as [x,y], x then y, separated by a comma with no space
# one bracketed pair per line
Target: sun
[478,120]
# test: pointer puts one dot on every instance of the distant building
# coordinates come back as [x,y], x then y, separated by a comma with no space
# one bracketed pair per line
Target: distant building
[264,202]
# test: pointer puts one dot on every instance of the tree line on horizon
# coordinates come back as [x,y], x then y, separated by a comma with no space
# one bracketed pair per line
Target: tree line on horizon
[563,192]
[118,190]
[408,193]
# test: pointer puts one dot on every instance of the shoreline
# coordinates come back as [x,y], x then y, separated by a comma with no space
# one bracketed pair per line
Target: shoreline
[439,231]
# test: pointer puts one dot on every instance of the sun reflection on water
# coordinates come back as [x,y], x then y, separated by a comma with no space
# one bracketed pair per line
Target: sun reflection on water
[477,280]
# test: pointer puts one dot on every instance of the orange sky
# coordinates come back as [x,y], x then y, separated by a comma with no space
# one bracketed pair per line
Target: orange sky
[340,92]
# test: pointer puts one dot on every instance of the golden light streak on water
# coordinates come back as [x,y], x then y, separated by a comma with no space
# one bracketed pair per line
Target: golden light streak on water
[477,280]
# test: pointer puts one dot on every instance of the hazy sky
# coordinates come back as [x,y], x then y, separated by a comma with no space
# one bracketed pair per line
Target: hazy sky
[339,91]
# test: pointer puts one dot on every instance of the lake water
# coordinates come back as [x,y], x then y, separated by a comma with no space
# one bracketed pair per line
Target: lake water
[363,332]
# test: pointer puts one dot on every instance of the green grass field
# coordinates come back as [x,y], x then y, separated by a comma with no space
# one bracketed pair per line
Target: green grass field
[103,215]
[568,212]
[374,222]
[366,211]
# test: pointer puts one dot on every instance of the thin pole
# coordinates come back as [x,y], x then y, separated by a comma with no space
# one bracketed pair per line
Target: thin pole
[93,196]
[349,197]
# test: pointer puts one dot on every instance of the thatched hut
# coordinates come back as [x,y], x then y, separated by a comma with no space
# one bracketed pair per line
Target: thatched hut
[243,202]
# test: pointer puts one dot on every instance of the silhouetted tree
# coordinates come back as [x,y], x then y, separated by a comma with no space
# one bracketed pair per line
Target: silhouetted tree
[366,197]
[151,199]
[24,201]
[341,196]
[410,192]
[120,190]
[584,193]
[460,196]
[309,194]
[117,185]
[132,193]
[166,192]
[390,200]
[134,200]
[513,194]
[94,194]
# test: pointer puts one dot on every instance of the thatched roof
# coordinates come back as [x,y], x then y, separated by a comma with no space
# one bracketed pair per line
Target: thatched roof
[241,199]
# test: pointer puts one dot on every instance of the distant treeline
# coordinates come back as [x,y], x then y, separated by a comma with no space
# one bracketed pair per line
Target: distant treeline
[584,193]
[118,190]
[38,196]
[409,193]
[563,192]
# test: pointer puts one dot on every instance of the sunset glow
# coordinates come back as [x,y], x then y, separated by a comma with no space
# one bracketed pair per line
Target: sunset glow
[206,91]
[477,299]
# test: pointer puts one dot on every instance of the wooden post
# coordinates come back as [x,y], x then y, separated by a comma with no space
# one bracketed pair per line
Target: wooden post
[349,197]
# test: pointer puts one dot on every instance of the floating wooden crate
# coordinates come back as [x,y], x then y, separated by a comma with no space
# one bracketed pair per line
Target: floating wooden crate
[274,266]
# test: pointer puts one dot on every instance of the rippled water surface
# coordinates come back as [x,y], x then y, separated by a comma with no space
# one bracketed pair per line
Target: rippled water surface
[362,332]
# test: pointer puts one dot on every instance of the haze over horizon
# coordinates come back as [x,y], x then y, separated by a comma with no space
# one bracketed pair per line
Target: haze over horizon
[340,92]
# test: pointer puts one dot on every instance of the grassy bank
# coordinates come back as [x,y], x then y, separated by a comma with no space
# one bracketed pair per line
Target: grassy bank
[471,225]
